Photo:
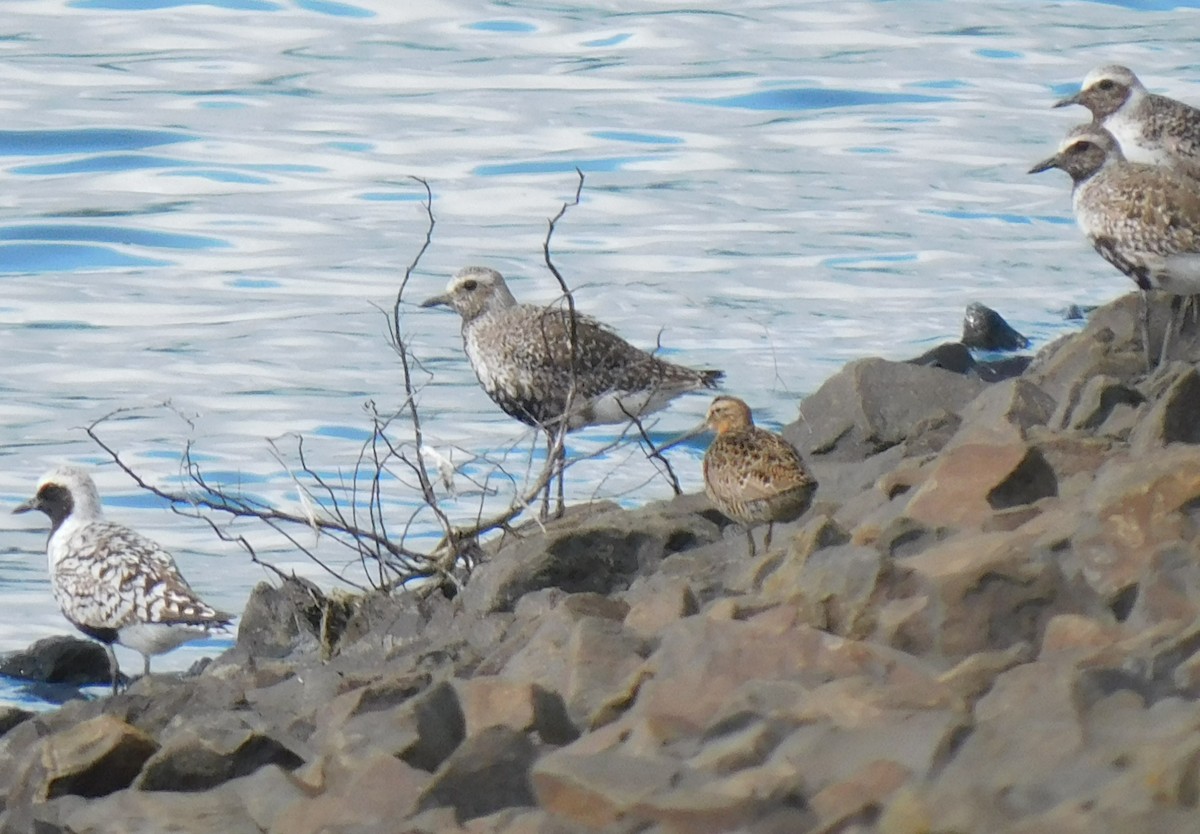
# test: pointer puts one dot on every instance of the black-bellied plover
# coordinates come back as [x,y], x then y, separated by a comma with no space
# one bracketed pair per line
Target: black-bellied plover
[523,357]
[1143,219]
[753,475]
[113,584]
[1150,128]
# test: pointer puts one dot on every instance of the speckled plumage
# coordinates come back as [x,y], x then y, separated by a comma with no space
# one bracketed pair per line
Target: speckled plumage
[110,582]
[1141,218]
[1150,128]
[753,475]
[522,356]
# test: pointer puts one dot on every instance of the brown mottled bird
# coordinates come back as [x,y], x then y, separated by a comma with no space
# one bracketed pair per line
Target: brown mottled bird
[523,356]
[753,475]
[1143,219]
[1150,128]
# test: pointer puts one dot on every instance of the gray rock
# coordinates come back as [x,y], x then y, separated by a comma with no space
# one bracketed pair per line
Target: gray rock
[872,405]
[595,552]
[211,752]
[487,773]
[1173,415]
[985,329]
[59,659]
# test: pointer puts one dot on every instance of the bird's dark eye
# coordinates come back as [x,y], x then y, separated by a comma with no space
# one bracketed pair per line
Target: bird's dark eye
[470,286]
[1107,84]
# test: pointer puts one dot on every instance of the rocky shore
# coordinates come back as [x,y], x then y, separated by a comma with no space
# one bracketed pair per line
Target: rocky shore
[989,621]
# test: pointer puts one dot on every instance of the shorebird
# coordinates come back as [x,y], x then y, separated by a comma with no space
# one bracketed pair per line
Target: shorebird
[111,583]
[1150,128]
[1143,219]
[553,372]
[752,475]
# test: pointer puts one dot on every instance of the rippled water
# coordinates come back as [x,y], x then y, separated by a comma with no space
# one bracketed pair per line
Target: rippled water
[209,203]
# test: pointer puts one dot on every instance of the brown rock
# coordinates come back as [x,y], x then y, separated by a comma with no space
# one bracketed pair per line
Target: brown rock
[834,587]
[971,480]
[700,809]
[599,789]
[1138,506]
[986,591]
[492,701]
[874,404]
[591,549]
[248,805]
[372,793]
[488,772]
[1171,417]
[859,796]
[656,602]
[1095,402]
[603,659]
[422,730]
[1110,345]
[212,751]
[94,758]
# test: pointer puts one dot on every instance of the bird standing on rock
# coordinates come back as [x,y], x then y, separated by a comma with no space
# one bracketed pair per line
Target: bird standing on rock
[554,372]
[753,475]
[113,584]
[1143,219]
[1149,128]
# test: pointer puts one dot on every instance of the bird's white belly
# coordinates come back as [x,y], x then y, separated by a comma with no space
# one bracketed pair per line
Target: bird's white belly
[156,638]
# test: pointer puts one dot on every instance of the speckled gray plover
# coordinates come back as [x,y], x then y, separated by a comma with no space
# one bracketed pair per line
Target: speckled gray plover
[110,582]
[522,355]
[1143,219]
[1150,128]
[752,475]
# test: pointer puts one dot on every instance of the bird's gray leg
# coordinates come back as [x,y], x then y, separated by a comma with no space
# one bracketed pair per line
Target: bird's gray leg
[1176,308]
[750,540]
[114,669]
[767,538]
[550,462]
[146,666]
[1146,328]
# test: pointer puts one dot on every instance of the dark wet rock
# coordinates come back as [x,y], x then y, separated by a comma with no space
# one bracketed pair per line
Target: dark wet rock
[1092,405]
[91,759]
[948,356]
[279,621]
[985,329]
[997,370]
[604,551]
[1174,416]
[11,716]
[872,405]
[59,659]
[957,358]
[487,773]
[210,753]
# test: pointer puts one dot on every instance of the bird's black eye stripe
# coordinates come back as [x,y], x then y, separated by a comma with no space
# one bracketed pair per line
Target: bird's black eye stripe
[1106,84]
[471,285]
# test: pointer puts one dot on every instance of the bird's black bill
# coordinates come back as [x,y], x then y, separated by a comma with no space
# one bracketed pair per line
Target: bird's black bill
[436,301]
[1044,165]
